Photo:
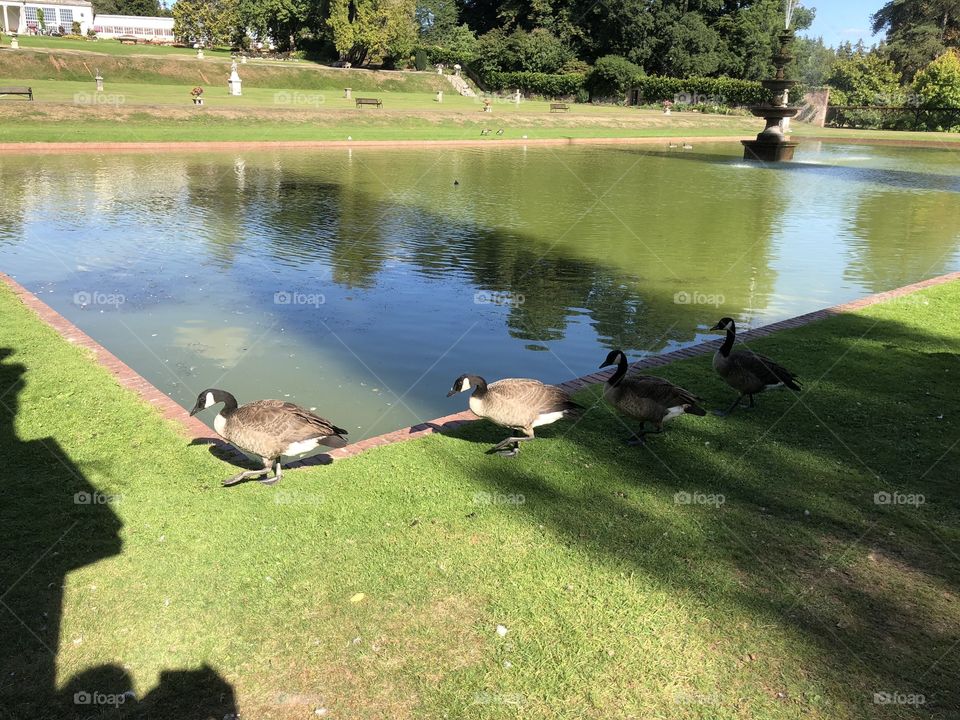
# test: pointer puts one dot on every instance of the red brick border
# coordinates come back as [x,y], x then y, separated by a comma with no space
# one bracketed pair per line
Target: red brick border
[196,430]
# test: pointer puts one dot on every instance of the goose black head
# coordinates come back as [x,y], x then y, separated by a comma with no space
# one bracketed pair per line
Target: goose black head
[725,324]
[466,382]
[210,397]
[613,357]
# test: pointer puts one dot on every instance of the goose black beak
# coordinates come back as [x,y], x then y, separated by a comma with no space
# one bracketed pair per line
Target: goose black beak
[716,327]
[603,365]
[195,410]
[451,393]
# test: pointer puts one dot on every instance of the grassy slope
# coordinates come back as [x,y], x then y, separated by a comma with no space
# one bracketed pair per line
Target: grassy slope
[619,602]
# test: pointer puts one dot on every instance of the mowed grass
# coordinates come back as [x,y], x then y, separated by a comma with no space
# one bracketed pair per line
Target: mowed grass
[272,115]
[373,587]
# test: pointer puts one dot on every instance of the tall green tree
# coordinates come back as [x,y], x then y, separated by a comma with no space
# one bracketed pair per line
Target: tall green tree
[866,78]
[917,31]
[282,21]
[373,29]
[211,22]
[813,61]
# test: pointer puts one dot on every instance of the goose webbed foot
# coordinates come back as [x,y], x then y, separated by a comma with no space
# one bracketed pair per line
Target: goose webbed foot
[636,440]
[508,447]
[240,477]
[278,473]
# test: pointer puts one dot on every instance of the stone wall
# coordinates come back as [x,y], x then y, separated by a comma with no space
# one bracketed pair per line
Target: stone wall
[813,109]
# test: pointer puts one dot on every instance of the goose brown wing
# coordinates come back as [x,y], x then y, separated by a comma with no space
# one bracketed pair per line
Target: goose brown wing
[285,421]
[533,394]
[768,371]
[659,390]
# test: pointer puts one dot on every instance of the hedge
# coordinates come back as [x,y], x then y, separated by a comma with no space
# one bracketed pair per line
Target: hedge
[534,83]
[697,90]
[652,89]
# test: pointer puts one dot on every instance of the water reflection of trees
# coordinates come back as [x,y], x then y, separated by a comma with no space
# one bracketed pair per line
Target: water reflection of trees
[897,245]
[564,264]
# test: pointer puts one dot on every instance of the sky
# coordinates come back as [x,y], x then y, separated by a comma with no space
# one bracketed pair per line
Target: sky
[840,20]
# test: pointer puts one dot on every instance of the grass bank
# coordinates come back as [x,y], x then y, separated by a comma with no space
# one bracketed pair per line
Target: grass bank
[334,120]
[148,71]
[374,587]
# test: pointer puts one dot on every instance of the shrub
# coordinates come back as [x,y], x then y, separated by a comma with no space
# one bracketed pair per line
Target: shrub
[420,59]
[613,76]
[75,28]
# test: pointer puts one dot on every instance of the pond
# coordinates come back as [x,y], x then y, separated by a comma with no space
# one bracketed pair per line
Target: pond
[362,282]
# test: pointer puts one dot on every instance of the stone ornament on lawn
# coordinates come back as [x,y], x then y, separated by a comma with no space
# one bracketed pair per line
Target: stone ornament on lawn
[234,84]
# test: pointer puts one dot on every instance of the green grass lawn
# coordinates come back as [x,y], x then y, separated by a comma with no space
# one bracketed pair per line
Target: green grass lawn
[105,47]
[373,588]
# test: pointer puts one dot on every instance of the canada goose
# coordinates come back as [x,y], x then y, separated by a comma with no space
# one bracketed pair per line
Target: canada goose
[500,131]
[746,371]
[485,131]
[270,429]
[673,146]
[515,403]
[456,182]
[687,146]
[646,398]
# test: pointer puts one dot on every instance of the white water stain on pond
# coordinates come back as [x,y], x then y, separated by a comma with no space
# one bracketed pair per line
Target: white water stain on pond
[363,283]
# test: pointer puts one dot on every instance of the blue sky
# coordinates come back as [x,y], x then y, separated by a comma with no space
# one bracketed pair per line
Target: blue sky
[841,20]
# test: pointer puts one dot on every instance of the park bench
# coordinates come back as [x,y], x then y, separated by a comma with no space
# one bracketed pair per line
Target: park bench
[559,107]
[128,40]
[17,91]
[370,101]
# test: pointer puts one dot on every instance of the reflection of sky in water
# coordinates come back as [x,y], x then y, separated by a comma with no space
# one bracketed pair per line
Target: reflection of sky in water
[388,269]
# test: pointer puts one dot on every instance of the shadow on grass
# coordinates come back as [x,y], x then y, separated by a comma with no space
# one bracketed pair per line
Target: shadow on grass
[55,521]
[802,539]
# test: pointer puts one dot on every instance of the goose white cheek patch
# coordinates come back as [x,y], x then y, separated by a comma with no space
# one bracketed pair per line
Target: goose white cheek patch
[465,386]
[209,401]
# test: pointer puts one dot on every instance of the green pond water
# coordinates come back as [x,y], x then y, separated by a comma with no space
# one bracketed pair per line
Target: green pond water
[361,283]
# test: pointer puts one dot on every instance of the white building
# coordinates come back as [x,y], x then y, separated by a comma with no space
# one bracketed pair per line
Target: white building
[22,17]
[158,29]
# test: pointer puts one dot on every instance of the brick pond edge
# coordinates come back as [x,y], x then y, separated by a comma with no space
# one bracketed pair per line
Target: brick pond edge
[199,433]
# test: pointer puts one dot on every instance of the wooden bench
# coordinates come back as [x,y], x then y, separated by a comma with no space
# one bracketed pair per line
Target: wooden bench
[17,91]
[559,107]
[370,101]
[128,40]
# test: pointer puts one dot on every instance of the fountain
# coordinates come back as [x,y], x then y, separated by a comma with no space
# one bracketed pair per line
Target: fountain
[772,145]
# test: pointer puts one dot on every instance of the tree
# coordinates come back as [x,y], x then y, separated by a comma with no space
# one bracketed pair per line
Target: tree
[146,8]
[612,76]
[813,61]
[917,31]
[211,22]
[867,78]
[437,19]
[365,29]
[938,85]
[282,21]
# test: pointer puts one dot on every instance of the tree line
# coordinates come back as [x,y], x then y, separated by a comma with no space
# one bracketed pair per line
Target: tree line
[622,39]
